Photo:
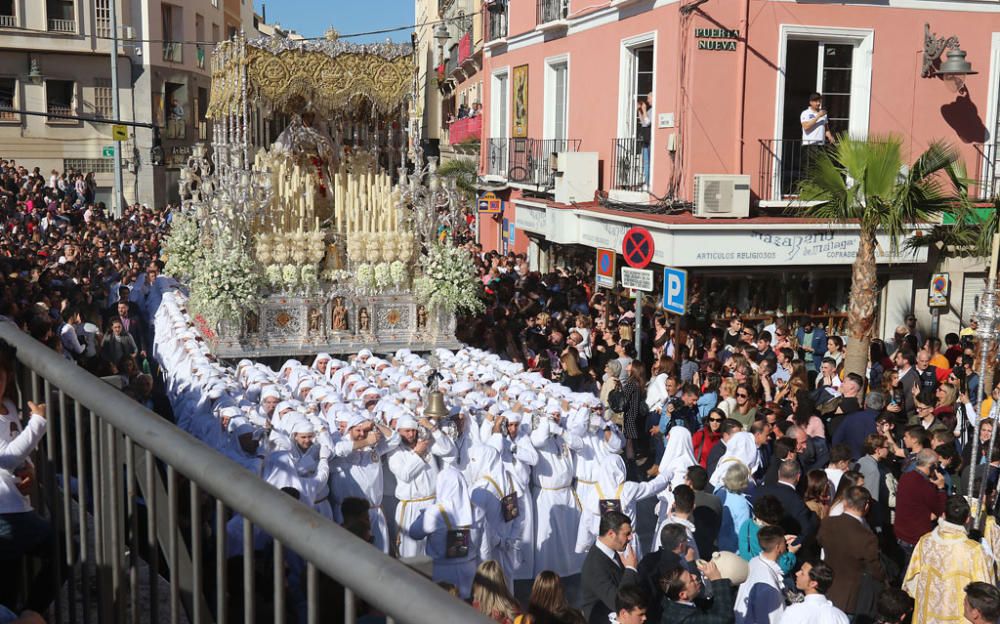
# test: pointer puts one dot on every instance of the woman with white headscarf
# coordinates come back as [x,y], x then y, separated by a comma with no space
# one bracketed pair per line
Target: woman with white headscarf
[453,527]
[742,448]
[613,491]
[677,458]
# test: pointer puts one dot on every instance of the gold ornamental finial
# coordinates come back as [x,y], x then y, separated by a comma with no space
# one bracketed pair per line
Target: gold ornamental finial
[332,34]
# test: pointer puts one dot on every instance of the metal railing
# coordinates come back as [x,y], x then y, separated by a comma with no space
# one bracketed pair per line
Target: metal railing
[175,129]
[6,115]
[62,25]
[173,52]
[630,165]
[496,157]
[495,21]
[142,512]
[529,162]
[986,184]
[551,11]
[783,163]
[8,21]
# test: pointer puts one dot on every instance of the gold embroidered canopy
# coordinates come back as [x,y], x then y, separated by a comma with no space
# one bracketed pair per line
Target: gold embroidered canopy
[328,76]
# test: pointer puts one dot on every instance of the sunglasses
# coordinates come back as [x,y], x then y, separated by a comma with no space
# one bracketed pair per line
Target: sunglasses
[743,395]
[715,420]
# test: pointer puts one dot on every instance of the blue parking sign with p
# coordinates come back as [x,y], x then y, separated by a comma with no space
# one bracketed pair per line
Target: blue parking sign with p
[675,290]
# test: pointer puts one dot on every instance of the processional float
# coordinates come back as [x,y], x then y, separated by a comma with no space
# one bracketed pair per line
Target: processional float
[309,226]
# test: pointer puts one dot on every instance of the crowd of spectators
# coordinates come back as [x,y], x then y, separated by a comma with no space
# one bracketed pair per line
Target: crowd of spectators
[891,445]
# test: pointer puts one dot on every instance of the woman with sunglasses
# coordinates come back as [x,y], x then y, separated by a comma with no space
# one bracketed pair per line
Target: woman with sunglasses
[705,439]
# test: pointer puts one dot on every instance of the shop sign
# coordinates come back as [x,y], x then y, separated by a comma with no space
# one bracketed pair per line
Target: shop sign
[179,156]
[940,289]
[531,219]
[638,279]
[675,290]
[777,248]
[717,39]
[119,132]
[489,203]
[605,268]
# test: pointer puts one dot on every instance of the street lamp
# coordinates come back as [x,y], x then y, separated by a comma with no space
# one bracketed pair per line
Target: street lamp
[954,68]
[34,76]
[442,36]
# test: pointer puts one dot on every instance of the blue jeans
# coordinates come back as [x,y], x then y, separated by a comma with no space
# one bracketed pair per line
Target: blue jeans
[645,166]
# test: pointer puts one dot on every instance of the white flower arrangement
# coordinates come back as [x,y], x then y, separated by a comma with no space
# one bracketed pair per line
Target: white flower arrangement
[336,275]
[400,273]
[365,277]
[272,273]
[449,280]
[383,275]
[290,276]
[224,282]
[309,276]
[183,248]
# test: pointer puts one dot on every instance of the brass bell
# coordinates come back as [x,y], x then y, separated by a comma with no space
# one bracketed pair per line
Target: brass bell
[435,407]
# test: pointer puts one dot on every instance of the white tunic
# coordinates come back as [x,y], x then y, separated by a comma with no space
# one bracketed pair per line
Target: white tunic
[815,609]
[415,479]
[519,457]
[556,504]
[361,473]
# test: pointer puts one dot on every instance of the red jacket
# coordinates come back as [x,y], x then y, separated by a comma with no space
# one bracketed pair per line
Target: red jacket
[703,440]
[916,499]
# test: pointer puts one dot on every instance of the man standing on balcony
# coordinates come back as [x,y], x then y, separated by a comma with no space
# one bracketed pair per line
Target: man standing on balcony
[644,132]
[815,131]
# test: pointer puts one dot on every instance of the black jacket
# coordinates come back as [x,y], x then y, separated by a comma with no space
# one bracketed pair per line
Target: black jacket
[798,519]
[600,580]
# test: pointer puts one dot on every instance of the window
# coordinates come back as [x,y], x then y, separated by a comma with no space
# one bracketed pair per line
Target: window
[632,160]
[173,33]
[823,67]
[495,18]
[176,103]
[499,124]
[60,97]
[102,18]
[97,165]
[103,99]
[215,33]
[556,99]
[8,98]
[8,16]
[62,15]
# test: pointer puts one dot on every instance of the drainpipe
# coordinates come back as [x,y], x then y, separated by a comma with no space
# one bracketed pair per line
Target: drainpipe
[741,83]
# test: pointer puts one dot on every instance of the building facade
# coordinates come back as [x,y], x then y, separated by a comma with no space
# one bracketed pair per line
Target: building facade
[724,83]
[55,57]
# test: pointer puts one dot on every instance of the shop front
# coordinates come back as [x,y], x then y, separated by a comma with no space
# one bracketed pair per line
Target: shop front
[757,267]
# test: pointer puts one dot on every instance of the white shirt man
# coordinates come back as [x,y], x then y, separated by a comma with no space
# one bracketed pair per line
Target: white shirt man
[359,460]
[814,120]
[414,463]
[813,581]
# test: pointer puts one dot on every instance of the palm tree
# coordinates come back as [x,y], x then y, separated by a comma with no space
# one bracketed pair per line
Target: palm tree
[866,182]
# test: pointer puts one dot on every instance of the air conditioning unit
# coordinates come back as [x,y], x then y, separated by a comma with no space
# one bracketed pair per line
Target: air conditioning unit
[575,177]
[721,196]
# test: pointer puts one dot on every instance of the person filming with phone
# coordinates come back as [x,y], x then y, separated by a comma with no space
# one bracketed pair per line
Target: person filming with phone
[815,131]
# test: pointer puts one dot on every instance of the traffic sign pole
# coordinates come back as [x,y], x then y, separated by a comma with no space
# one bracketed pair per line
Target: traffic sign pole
[638,324]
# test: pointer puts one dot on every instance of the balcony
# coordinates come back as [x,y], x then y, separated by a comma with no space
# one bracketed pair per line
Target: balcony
[527,162]
[495,24]
[176,129]
[8,21]
[464,130]
[986,185]
[173,52]
[629,166]
[783,163]
[62,25]
[200,56]
[552,15]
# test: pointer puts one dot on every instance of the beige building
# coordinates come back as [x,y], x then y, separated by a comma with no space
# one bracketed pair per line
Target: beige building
[55,57]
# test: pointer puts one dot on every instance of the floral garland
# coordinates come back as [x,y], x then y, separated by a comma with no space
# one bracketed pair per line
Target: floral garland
[183,248]
[449,280]
[225,283]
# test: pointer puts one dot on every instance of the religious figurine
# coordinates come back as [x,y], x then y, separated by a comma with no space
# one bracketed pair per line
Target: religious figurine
[315,320]
[421,317]
[364,321]
[252,322]
[338,317]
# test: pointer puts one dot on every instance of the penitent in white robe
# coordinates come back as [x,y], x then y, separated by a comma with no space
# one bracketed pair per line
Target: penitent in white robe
[556,504]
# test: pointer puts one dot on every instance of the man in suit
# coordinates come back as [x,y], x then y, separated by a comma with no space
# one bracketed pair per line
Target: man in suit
[799,520]
[118,344]
[131,325]
[908,377]
[610,565]
[851,550]
[854,428]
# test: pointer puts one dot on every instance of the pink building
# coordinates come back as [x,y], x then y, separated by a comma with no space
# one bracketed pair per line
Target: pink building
[727,80]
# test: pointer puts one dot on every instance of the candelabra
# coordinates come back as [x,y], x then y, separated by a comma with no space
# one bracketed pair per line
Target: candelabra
[988,327]
[428,206]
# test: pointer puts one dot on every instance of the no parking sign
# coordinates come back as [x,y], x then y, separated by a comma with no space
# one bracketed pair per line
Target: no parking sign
[605,268]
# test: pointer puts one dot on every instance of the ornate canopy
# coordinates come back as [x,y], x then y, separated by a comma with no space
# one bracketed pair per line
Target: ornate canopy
[328,76]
